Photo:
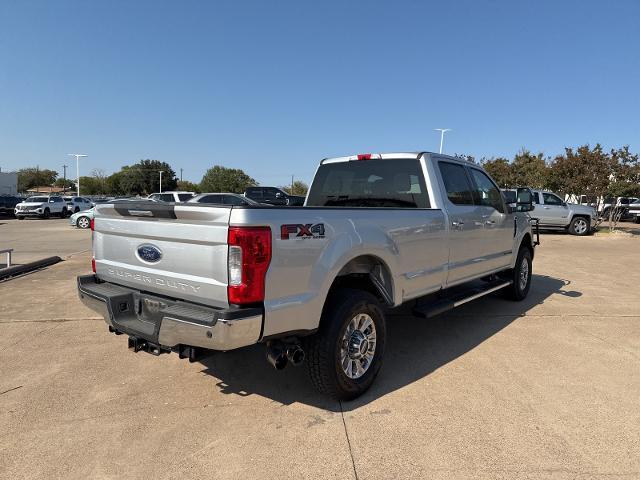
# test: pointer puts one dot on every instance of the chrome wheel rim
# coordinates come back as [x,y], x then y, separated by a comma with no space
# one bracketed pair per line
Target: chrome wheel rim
[580,226]
[524,274]
[83,222]
[358,346]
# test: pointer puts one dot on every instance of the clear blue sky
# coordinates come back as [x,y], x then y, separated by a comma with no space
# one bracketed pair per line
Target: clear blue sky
[273,87]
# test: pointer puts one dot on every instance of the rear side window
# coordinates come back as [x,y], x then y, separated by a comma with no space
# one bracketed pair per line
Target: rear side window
[369,183]
[456,183]
[184,196]
[211,199]
[254,192]
[487,194]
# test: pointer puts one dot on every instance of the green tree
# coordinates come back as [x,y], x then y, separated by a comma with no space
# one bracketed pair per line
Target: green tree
[142,178]
[529,170]
[35,177]
[500,170]
[626,176]
[91,186]
[299,188]
[187,186]
[222,179]
[62,183]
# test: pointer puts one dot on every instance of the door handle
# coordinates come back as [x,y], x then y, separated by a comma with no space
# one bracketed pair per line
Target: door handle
[490,222]
[457,225]
[547,208]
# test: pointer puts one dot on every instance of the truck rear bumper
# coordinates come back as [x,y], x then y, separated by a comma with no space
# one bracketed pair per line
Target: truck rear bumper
[167,322]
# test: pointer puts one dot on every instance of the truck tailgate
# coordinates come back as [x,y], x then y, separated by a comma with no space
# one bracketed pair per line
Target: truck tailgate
[169,249]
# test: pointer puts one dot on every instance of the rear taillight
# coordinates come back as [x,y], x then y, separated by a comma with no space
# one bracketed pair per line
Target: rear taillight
[248,260]
[93,264]
[92,224]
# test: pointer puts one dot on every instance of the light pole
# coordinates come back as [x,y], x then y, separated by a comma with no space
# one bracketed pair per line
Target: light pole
[442,132]
[77,155]
[161,172]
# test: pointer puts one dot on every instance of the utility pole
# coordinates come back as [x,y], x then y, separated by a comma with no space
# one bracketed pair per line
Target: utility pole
[180,174]
[64,185]
[442,132]
[161,172]
[291,184]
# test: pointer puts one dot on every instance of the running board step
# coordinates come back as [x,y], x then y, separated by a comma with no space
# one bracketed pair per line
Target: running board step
[442,305]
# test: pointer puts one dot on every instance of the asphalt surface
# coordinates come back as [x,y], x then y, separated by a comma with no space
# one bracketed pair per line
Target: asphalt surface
[544,388]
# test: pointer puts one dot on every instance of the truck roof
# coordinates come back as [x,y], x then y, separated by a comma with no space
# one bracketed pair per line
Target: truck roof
[386,156]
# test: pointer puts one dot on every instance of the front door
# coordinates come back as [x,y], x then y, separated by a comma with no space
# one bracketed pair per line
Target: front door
[497,241]
[553,211]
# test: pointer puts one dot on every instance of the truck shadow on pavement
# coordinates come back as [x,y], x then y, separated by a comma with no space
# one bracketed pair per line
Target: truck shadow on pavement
[415,348]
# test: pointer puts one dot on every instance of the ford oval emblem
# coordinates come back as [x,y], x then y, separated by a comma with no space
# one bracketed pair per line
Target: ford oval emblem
[149,253]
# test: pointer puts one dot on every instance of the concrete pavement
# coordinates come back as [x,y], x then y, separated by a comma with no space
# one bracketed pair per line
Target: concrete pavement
[545,388]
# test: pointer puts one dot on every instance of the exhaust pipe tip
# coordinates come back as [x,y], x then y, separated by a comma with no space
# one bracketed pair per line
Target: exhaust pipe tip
[277,358]
[295,355]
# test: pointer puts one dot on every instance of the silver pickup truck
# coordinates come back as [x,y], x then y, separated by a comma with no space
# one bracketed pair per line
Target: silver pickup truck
[312,283]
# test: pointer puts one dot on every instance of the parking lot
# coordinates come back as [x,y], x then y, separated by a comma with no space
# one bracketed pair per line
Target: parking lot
[545,388]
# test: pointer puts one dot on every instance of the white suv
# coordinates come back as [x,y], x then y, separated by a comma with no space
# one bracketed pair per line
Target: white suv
[43,207]
[77,204]
[177,197]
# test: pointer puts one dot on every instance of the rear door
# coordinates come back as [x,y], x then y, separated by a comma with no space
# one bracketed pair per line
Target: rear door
[175,250]
[466,225]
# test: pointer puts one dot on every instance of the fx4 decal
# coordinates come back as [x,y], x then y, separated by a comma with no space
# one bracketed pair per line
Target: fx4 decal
[308,230]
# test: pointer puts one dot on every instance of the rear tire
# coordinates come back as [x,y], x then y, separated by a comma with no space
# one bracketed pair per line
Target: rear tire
[579,226]
[63,213]
[20,217]
[520,275]
[343,361]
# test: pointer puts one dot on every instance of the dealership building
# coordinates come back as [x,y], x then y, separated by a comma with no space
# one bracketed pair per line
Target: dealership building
[8,183]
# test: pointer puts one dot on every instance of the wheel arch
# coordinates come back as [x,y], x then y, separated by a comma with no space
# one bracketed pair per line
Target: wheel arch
[366,272]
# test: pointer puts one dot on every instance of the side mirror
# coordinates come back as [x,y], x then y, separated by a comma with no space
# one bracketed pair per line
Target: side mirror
[524,200]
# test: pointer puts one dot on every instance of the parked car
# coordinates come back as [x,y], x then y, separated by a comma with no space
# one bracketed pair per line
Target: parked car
[273,196]
[311,282]
[620,206]
[41,206]
[176,197]
[8,204]
[77,204]
[553,213]
[223,199]
[82,219]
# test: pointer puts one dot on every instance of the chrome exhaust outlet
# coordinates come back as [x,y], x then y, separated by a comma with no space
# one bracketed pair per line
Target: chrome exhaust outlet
[276,356]
[295,355]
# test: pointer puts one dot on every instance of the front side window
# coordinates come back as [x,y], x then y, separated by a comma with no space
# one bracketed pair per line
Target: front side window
[551,199]
[396,183]
[456,183]
[184,196]
[486,192]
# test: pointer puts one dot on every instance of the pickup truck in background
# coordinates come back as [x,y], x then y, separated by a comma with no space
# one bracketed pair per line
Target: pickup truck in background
[273,196]
[312,283]
[553,213]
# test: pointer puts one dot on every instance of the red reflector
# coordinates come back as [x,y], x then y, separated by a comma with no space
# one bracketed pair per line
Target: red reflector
[255,248]
[92,224]
[364,156]
[93,264]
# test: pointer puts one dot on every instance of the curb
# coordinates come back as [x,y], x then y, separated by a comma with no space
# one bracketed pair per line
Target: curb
[16,270]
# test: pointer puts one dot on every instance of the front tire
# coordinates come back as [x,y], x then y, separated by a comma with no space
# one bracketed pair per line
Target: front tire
[579,226]
[520,276]
[63,213]
[47,213]
[345,356]
[83,222]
